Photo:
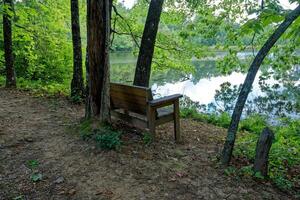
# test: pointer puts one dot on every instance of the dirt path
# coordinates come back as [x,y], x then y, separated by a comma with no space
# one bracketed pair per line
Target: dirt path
[39,129]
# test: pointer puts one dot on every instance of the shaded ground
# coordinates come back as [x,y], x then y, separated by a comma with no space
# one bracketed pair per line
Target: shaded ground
[38,129]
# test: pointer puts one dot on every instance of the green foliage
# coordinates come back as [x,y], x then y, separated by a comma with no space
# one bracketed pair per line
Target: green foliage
[21,197]
[36,177]
[76,99]
[104,136]
[283,183]
[229,171]
[32,164]
[222,120]
[246,171]
[259,176]
[85,129]
[284,153]
[109,140]
[147,138]
[254,123]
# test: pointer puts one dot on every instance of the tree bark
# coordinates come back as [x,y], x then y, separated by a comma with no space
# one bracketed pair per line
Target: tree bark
[246,88]
[87,88]
[8,48]
[143,67]
[263,147]
[77,86]
[98,30]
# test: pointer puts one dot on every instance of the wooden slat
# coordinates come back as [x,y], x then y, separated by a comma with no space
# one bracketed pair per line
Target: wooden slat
[115,104]
[128,97]
[132,120]
[131,90]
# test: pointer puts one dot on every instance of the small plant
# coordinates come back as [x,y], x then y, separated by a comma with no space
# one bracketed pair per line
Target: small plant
[85,130]
[109,140]
[283,183]
[246,171]
[259,176]
[32,164]
[229,171]
[76,98]
[36,177]
[21,197]
[147,138]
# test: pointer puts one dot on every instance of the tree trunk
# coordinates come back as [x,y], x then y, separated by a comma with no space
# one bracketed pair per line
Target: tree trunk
[8,49]
[246,88]
[77,86]
[263,147]
[143,66]
[87,88]
[98,30]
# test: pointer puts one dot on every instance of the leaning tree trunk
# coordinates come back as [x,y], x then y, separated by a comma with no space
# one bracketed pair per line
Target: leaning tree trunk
[143,66]
[98,42]
[77,86]
[246,88]
[8,50]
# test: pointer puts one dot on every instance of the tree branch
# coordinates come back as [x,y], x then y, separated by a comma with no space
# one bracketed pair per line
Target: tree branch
[127,24]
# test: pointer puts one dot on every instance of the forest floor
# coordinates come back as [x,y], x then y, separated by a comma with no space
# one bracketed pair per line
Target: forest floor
[36,137]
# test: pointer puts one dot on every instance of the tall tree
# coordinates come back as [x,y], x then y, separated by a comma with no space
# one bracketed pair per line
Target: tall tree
[143,66]
[246,88]
[8,48]
[98,42]
[77,86]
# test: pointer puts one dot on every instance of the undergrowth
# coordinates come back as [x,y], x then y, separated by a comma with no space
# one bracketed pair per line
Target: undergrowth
[41,88]
[105,136]
[284,157]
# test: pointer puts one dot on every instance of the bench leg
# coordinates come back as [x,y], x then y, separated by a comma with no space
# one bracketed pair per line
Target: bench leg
[151,122]
[176,121]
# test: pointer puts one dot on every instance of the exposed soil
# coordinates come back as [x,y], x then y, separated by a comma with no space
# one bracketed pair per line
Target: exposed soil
[38,128]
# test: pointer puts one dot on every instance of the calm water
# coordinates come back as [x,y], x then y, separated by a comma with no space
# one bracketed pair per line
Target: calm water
[200,87]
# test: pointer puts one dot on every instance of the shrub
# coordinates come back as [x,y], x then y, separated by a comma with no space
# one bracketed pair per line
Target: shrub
[109,140]
[222,120]
[284,154]
[254,123]
[147,138]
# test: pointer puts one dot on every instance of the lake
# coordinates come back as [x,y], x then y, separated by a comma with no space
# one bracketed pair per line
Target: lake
[200,86]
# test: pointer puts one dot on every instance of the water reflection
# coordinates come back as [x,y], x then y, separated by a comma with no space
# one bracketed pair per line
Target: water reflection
[201,87]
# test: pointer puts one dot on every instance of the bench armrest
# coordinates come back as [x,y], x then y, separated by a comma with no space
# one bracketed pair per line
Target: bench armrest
[164,101]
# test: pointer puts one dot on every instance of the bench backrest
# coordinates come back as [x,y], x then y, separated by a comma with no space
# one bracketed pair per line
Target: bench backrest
[131,98]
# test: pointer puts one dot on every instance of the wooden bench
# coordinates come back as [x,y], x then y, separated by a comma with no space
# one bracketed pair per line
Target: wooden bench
[136,106]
